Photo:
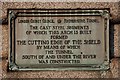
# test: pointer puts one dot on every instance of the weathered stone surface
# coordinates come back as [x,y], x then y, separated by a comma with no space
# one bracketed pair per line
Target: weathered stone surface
[115,67]
[119,40]
[4,43]
[112,5]
[116,40]
[0,40]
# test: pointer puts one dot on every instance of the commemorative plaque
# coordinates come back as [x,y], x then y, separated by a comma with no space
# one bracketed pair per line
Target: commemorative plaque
[58,39]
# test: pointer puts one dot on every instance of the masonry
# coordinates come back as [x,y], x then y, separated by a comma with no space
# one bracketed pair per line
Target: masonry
[113,72]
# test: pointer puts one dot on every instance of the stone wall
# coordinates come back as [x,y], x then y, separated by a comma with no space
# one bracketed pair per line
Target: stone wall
[114,70]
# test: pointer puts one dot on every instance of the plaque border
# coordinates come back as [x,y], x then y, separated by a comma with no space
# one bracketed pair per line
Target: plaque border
[14,13]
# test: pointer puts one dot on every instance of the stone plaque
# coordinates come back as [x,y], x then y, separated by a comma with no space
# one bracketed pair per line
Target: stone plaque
[58,39]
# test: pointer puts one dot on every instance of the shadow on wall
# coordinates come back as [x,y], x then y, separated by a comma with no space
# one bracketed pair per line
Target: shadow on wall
[111,40]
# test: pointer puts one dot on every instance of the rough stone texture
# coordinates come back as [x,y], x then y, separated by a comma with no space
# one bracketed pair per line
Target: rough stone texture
[4,41]
[114,66]
[115,61]
[112,5]
[119,40]
[116,41]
